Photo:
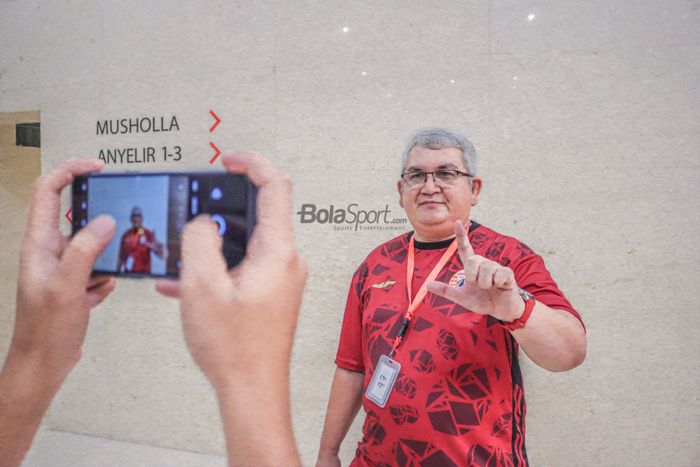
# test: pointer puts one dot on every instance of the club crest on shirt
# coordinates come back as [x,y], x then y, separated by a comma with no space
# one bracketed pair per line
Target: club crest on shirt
[457,280]
[384,285]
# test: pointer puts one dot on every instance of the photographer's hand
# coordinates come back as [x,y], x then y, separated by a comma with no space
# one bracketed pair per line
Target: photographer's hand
[239,324]
[54,296]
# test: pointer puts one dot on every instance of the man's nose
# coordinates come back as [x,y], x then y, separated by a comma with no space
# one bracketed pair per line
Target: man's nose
[430,186]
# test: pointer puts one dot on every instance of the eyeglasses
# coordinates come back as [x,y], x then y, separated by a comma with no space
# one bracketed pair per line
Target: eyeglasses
[440,177]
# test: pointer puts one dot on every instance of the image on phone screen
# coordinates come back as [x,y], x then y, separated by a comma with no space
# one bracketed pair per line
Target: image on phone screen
[151,209]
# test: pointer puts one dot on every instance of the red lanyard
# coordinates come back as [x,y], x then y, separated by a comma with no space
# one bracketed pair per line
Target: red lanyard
[413,304]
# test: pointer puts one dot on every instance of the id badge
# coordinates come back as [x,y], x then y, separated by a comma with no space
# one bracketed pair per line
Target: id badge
[383,380]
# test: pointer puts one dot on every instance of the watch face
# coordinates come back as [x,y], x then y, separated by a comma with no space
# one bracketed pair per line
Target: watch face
[526,296]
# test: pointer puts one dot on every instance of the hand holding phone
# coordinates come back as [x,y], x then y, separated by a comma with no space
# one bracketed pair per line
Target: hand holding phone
[55,294]
[239,324]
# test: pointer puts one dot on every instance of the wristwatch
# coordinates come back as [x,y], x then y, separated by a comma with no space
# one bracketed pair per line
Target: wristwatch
[519,323]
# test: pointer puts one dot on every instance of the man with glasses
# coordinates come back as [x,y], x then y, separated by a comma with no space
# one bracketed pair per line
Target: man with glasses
[433,322]
[136,246]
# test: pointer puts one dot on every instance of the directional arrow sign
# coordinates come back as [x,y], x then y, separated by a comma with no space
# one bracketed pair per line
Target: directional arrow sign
[216,117]
[211,161]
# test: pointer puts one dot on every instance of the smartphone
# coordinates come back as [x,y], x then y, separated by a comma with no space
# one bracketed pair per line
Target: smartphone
[151,210]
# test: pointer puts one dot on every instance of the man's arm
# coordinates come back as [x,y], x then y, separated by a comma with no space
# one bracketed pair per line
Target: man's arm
[54,296]
[155,245]
[554,339]
[343,404]
[122,254]
[25,394]
[239,331]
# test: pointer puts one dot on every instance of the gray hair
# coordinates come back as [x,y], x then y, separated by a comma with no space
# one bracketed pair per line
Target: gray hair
[438,138]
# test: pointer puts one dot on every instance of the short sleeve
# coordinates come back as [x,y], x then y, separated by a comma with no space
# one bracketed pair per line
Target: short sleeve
[349,355]
[532,275]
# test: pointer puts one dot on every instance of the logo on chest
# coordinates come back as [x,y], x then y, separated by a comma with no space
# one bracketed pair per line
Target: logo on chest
[383,285]
[457,279]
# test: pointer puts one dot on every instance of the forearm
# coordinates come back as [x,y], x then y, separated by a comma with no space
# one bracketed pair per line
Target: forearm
[257,421]
[26,390]
[344,402]
[553,339]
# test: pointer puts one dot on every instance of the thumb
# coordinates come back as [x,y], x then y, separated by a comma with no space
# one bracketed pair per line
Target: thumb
[202,260]
[443,290]
[83,249]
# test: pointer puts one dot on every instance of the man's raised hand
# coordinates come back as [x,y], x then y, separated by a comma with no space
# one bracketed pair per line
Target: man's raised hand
[489,288]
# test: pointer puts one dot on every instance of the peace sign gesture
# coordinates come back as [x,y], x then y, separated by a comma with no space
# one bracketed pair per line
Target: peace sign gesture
[489,288]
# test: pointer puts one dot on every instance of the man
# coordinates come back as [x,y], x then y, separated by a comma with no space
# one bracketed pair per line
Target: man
[457,398]
[228,320]
[136,246]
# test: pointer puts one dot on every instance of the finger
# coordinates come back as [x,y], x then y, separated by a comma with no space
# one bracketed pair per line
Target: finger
[471,268]
[97,294]
[96,281]
[274,230]
[82,251]
[486,272]
[463,246]
[63,242]
[168,288]
[444,290]
[46,200]
[504,278]
[203,263]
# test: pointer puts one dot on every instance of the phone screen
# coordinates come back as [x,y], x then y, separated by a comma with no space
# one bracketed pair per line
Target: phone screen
[151,209]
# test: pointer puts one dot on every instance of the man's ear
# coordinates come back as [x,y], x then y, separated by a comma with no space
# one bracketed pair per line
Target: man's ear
[477,185]
[398,187]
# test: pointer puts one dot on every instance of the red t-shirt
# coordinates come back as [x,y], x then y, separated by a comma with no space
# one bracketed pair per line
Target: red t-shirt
[135,250]
[458,399]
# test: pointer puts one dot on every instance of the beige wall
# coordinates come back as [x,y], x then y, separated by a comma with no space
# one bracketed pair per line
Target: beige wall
[585,116]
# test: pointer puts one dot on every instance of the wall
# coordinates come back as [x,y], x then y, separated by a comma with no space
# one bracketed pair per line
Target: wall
[585,117]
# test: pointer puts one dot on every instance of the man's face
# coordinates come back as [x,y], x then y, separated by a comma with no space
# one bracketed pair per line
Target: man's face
[434,207]
[136,220]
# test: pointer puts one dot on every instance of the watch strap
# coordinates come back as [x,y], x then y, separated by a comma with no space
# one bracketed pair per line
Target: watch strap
[520,322]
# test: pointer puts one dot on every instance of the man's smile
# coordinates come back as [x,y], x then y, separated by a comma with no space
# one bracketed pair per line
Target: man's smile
[431,203]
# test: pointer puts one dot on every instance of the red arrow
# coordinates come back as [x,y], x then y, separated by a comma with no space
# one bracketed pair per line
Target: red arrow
[216,117]
[68,215]
[211,161]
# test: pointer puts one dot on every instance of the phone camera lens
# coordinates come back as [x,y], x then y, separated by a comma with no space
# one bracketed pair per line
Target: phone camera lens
[221,222]
[216,194]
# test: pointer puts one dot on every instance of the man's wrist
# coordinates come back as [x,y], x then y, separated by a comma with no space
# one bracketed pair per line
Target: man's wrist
[257,421]
[528,304]
[27,386]
[516,313]
[328,450]
[37,367]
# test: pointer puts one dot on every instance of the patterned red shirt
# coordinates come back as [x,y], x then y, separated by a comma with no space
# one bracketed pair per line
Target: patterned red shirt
[458,399]
[135,250]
